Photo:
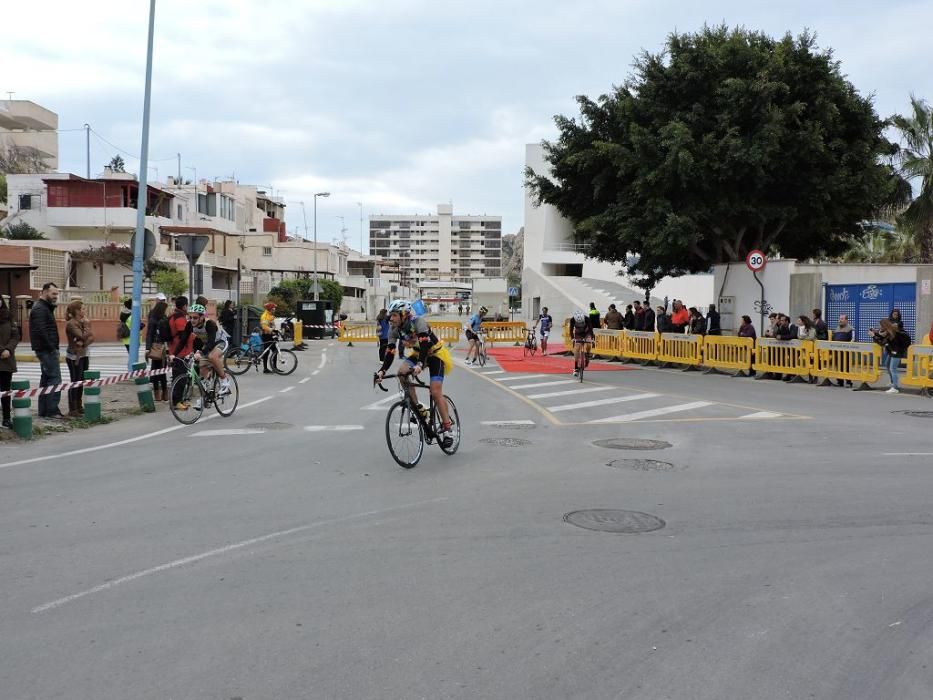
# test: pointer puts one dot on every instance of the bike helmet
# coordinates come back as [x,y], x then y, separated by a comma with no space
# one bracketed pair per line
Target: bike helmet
[399,306]
[196,309]
[579,317]
[269,305]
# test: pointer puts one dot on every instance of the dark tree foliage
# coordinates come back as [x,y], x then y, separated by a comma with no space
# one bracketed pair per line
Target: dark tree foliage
[727,141]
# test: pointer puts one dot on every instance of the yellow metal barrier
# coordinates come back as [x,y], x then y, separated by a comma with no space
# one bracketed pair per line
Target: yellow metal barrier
[725,352]
[608,343]
[640,345]
[504,331]
[448,331]
[680,349]
[859,363]
[298,342]
[784,356]
[919,367]
[568,346]
[358,332]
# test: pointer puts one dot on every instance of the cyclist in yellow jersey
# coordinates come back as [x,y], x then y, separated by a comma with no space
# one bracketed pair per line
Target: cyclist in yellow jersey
[267,330]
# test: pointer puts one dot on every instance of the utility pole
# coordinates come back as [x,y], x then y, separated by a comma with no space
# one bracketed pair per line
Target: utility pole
[87,148]
[141,201]
[179,168]
[305,219]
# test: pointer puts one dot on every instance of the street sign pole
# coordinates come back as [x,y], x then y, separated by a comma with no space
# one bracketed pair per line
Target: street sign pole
[756,261]
[142,198]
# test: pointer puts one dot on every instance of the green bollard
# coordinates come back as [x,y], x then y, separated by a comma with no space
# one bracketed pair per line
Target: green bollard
[22,412]
[92,399]
[144,390]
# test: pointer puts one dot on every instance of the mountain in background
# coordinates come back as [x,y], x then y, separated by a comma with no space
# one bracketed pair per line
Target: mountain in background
[513,255]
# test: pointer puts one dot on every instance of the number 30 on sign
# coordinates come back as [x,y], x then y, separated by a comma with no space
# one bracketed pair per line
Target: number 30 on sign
[756,261]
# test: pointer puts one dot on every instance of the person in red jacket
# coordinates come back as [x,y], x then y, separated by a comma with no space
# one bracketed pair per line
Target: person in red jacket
[180,346]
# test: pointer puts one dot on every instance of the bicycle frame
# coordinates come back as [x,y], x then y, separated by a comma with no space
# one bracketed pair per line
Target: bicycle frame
[406,382]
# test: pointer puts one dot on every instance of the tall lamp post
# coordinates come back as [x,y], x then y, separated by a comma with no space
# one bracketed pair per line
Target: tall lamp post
[316,195]
[195,170]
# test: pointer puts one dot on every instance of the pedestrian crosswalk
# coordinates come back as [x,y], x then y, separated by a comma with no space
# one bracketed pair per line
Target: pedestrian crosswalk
[32,371]
[602,402]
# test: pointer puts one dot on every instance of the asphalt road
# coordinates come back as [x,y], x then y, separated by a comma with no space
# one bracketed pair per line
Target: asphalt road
[794,560]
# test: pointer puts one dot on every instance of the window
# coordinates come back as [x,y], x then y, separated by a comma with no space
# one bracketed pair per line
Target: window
[25,201]
[179,213]
[267,251]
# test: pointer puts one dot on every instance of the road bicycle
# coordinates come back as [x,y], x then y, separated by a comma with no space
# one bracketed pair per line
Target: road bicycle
[238,360]
[408,428]
[481,355]
[197,393]
[531,343]
[582,360]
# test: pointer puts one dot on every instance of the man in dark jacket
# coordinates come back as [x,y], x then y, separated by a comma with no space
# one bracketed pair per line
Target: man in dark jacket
[822,330]
[639,316]
[714,325]
[43,335]
[649,319]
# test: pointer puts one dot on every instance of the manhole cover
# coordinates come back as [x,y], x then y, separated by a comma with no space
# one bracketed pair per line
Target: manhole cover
[506,442]
[632,444]
[916,414]
[641,465]
[606,520]
[270,426]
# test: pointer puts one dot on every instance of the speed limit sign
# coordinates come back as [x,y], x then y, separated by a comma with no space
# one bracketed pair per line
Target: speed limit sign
[756,261]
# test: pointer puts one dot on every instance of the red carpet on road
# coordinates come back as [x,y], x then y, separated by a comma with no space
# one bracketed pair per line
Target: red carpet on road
[511,359]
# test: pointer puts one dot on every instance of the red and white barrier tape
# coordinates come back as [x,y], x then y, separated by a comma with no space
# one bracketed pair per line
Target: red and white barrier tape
[41,391]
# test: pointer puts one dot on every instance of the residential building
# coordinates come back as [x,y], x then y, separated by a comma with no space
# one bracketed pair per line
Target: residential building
[30,128]
[441,247]
[558,273]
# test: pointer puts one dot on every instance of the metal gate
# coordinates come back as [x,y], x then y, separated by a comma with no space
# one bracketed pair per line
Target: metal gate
[867,304]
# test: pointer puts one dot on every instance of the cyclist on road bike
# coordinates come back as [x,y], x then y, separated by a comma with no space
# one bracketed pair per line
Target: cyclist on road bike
[581,333]
[210,343]
[427,351]
[472,335]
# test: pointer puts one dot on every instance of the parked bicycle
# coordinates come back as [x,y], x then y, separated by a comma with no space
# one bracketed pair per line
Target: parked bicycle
[200,393]
[239,360]
[408,428]
[531,343]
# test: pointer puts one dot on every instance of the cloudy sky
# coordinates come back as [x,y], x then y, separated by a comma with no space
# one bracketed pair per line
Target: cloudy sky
[399,104]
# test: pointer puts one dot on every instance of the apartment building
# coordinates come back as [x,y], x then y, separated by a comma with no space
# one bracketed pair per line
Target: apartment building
[31,129]
[441,247]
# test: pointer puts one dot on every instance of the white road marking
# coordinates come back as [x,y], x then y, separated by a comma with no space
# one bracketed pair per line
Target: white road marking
[907,454]
[381,403]
[600,402]
[305,380]
[495,371]
[315,373]
[123,442]
[537,384]
[761,414]
[521,376]
[507,422]
[323,360]
[587,390]
[223,550]
[229,431]
[286,389]
[322,428]
[627,417]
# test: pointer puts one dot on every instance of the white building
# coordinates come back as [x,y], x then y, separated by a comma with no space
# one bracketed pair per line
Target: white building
[32,129]
[440,247]
[558,274]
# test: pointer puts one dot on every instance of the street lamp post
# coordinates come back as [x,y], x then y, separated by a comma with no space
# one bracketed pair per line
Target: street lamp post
[191,167]
[316,195]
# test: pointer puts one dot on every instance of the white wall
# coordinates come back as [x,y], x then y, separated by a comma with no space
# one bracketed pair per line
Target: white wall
[741,284]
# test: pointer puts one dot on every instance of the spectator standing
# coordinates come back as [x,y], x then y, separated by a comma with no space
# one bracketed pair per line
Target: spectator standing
[123,333]
[844,333]
[614,320]
[819,325]
[662,321]
[181,345]
[639,316]
[713,322]
[267,330]
[697,322]
[772,323]
[228,318]
[895,342]
[9,339]
[594,316]
[459,312]
[157,336]
[895,318]
[747,329]
[680,317]
[43,336]
[546,323]
[382,330]
[648,323]
[628,321]
[805,328]
[79,335]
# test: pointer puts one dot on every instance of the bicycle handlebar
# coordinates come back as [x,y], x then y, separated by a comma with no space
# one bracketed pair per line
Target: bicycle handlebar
[401,377]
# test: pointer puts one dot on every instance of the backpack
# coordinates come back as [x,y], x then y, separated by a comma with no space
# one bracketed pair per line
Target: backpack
[123,331]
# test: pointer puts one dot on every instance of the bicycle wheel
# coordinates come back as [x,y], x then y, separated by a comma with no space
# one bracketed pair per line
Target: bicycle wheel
[526,351]
[286,362]
[226,403]
[581,363]
[191,396]
[236,361]
[404,435]
[534,348]
[481,355]
[454,433]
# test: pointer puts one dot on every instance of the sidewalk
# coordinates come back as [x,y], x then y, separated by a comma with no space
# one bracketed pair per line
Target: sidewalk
[114,352]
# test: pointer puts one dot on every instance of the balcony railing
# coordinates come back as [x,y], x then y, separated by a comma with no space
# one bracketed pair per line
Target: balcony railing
[568,247]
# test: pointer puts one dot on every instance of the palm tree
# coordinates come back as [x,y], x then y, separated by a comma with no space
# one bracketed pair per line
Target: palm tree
[915,160]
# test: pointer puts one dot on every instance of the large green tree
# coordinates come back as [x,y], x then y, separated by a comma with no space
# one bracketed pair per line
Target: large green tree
[915,160]
[727,141]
